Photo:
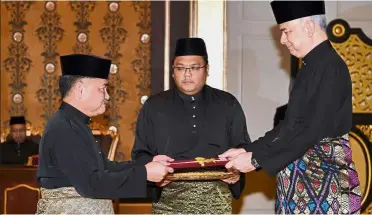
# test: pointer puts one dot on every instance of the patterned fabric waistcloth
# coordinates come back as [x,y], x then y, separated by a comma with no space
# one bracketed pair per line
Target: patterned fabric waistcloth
[323,181]
[194,197]
[67,201]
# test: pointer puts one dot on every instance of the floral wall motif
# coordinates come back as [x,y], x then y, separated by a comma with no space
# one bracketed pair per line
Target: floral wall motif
[35,34]
[17,61]
[142,64]
[113,35]
[49,33]
[83,10]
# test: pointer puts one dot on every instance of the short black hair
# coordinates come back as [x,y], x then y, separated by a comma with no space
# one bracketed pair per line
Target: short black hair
[66,82]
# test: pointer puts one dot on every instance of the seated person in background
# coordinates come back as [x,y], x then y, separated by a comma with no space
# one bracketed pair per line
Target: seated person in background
[17,149]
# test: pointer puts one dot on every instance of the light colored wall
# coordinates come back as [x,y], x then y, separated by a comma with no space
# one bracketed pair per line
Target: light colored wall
[210,27]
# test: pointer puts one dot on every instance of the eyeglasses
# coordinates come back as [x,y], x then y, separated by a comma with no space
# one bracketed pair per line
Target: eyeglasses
[192,68]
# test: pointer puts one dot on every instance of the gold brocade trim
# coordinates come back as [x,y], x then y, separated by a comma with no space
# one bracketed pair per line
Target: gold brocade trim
[199,176]
[190,197]
[66,200]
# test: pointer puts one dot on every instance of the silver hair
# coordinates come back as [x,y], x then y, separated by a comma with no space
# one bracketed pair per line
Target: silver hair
[319,20]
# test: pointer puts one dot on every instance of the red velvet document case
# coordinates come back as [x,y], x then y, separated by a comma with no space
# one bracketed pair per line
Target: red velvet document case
[199,169]
[198,163]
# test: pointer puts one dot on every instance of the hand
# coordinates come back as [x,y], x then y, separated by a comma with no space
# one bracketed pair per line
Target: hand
[232,153]
[242,163]
[157,171]
[163,159]
[234,178]
[163,183]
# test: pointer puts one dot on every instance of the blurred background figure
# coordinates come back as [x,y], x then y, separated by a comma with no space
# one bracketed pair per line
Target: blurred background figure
[17,148]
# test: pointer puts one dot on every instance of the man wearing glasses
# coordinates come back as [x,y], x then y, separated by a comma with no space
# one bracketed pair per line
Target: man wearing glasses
[17,148]
[192,120]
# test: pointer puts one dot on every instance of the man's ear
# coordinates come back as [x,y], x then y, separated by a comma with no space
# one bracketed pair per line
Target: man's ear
[309,26]
[78,89]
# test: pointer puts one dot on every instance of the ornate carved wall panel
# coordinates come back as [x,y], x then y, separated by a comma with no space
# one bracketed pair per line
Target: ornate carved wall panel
[17,62]
[141,65]
[83,10]
[35,34]
[50,34]
[355,48]
[113,35]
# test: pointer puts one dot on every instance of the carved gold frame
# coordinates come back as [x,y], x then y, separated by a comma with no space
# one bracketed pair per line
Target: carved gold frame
[364,145]
[16,187]
[114,143]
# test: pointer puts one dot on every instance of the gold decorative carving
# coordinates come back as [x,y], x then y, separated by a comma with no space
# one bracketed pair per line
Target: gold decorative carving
[358,58]
[50,6]
[17,63]
[83,10]
[113,69]
[145,38]
[338,30]
[82,37]
[17,37]
[102,129]
[142,64]
[8,189]
[113,6]
[113,129]
[369,210]
[143,99]
[50,68]
[367,131]
[113,34]
[202,161]
[49,34]
[17,98]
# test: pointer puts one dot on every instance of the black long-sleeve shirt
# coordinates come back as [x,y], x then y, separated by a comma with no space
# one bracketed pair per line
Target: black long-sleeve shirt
[320,105]
[70,156]
[17,153]
[184,127]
